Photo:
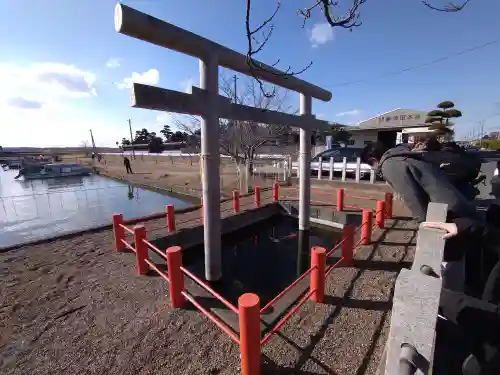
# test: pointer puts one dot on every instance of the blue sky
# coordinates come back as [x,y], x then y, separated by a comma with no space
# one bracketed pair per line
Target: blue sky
[64,69]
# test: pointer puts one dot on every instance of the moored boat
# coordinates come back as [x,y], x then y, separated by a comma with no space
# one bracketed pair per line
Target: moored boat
[53,170]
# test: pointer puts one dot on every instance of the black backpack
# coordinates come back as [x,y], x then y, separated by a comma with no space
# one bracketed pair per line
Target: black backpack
[460,166]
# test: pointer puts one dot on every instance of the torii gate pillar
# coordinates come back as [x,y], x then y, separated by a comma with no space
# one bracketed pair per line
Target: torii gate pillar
[304,177]
[210,159]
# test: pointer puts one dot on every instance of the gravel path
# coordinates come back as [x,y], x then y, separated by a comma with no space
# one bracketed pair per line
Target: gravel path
[73,306]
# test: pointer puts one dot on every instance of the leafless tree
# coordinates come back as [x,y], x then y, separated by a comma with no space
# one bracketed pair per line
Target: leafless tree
[85,146]
[347,18]
[241,140]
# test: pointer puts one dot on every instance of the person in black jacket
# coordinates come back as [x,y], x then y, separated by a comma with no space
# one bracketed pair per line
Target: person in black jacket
[478,346]
[477,343]
[417,179]
[479,242]
[126,162]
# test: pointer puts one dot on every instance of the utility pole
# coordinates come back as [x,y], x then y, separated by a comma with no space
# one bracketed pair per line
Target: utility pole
[131,138]
[92,139]
[481,133]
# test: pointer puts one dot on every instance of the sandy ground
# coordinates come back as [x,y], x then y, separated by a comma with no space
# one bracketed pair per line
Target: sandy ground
[74,306]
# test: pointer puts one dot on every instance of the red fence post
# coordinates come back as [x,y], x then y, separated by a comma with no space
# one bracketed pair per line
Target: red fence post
[236,201]
[348,244]
[249,315]
[170,218]
[366,229]
[118,231]
[257,196]
[141,249]
[175,276]
[276,192]
[317,281]
[388,205]
[379,214]
[340,199]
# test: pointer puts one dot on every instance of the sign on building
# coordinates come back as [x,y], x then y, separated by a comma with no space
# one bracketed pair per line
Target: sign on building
[398,118]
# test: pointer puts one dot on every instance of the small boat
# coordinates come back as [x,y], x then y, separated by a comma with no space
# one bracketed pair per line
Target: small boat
[15,165]
[53,170]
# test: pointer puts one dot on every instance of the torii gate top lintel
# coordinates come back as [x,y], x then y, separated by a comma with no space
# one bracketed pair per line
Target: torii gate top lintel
[142,26]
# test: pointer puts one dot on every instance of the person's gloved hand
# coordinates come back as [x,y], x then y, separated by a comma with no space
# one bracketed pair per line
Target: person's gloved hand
[450,229]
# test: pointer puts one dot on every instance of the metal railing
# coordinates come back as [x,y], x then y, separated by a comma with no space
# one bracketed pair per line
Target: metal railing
[338,199]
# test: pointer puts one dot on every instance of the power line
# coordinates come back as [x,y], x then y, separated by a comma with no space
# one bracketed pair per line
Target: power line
[463,52]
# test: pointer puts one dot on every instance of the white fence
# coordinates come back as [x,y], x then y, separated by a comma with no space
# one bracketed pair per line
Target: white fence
[326,170]
[281,167]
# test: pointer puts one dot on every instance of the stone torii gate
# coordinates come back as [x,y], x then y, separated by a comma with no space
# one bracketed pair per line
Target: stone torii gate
[207,103]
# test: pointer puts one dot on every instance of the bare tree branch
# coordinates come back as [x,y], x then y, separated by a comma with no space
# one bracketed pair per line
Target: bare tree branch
[450,7]
[306,13]
[350,20]
[252,50]
[242,139]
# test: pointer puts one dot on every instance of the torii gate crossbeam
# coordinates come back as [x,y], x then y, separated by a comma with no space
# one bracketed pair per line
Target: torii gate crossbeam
[207,103]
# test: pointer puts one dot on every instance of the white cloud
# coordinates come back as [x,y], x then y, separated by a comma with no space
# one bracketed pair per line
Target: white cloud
[49,104]
[113,63]
[187,85]
[56,125]
[24,103]
[44,82]
[150,77]
[321,33]
[353,112]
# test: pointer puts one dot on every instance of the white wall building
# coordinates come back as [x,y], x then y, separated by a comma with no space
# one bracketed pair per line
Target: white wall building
[391,128]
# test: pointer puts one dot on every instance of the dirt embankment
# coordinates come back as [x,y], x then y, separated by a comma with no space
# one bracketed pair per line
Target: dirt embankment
[176,174]
[182,175]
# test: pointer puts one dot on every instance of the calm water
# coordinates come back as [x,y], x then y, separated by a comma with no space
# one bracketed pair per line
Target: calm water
[264,258]
[31,210]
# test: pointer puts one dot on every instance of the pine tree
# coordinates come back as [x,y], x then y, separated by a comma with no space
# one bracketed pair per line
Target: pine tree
[439,119]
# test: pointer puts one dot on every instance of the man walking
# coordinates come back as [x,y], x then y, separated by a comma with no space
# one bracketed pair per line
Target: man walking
[126,162]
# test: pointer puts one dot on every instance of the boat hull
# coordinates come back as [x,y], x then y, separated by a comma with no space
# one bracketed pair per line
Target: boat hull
[55,175]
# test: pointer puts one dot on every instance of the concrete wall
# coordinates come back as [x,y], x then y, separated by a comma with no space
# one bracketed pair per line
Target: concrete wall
[361,138]
[410,345]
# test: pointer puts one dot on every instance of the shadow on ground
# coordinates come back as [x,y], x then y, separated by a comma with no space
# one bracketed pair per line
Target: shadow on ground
[368,264]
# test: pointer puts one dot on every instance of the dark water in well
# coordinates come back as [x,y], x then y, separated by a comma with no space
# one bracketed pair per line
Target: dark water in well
[263,259]
[35,209]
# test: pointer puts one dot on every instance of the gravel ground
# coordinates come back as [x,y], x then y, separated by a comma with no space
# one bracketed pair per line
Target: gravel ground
[73,306]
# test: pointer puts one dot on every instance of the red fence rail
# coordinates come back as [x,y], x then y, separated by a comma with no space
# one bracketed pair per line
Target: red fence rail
[339,201]
[248,309]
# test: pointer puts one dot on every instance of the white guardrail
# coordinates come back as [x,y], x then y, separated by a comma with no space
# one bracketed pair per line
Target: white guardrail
[410,345]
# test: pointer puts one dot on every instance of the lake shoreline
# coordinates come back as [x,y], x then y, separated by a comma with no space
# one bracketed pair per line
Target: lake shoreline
[40,210]
[169,174]
[174,191]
